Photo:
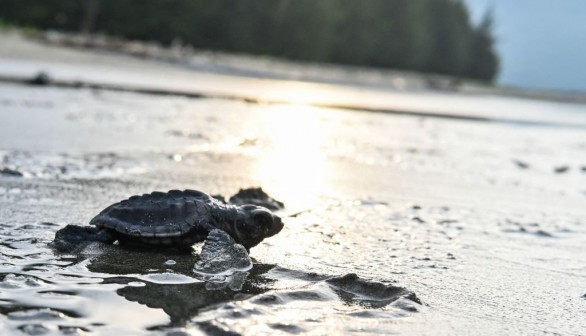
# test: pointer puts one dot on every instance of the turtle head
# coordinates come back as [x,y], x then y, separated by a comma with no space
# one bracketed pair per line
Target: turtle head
[258,224]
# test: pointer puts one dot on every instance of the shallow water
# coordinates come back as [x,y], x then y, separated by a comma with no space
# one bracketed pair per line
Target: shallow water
[476,219]
[114,289]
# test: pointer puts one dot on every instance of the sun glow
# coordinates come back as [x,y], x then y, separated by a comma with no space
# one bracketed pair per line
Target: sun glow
[300,93]
[294,162]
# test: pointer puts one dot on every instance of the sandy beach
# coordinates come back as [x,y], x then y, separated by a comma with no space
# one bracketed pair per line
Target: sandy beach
[472,202]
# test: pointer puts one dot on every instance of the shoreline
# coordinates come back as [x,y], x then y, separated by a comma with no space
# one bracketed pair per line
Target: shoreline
[22,59]
[43,80]
[268,67]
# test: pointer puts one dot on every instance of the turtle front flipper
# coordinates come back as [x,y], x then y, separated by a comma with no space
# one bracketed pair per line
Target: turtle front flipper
[71,237]
[221,256]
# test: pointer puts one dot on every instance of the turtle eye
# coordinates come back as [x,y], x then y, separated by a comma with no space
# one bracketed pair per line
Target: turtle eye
[242,225]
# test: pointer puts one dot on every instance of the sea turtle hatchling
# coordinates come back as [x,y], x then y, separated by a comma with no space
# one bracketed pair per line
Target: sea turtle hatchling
[172,219]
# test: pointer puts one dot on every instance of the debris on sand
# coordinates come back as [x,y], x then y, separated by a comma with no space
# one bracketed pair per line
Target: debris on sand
[256,196]
[10,172]
[521,164]
[41,79]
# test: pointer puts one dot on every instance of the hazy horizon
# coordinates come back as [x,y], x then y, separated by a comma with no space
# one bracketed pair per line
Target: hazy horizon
[541,43]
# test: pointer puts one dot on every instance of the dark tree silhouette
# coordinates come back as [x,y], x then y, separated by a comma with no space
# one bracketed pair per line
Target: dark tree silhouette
[434,36]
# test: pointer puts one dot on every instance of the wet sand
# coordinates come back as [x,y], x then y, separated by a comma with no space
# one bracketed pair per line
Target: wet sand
[452,226]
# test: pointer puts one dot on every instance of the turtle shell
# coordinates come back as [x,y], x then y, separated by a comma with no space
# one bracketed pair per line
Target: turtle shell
[171,218]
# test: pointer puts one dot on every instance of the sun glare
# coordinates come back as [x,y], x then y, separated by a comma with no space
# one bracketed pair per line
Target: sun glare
[300,93]
[294,162]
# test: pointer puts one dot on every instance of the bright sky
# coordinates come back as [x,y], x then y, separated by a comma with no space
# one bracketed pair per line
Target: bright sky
[542,43]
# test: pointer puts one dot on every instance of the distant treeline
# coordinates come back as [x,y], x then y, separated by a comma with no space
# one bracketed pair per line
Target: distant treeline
[434,36]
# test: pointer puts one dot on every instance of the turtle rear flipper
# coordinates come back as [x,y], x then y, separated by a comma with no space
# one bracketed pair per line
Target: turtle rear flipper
[72,236]
[222,256]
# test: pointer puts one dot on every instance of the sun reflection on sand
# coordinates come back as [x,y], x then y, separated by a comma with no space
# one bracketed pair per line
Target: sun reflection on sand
[293,165]
[301,93]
